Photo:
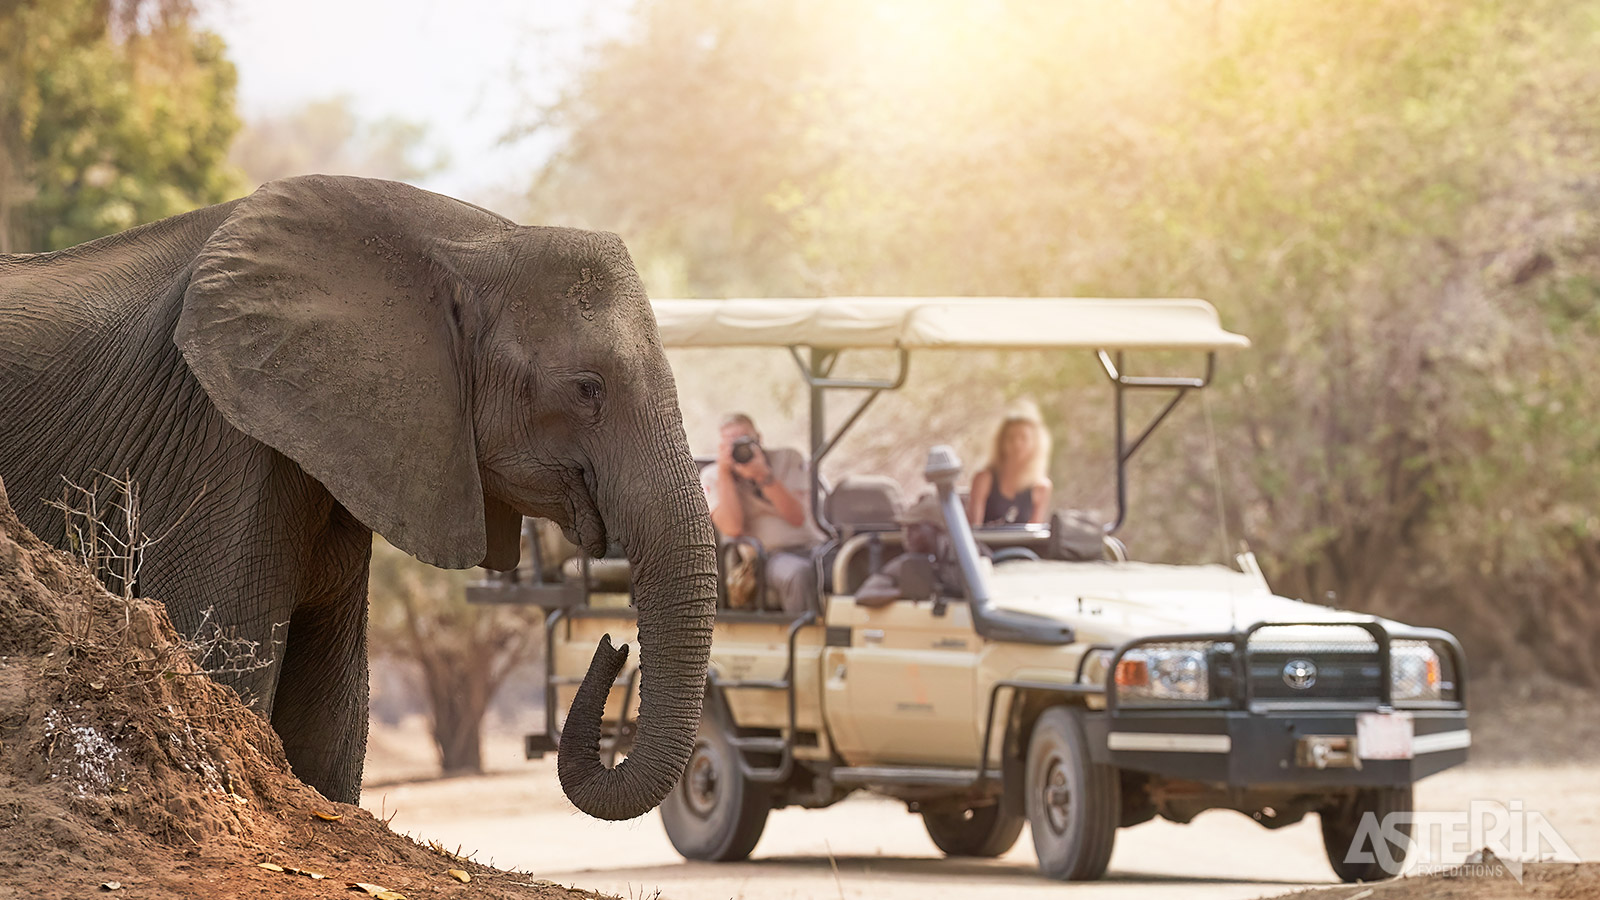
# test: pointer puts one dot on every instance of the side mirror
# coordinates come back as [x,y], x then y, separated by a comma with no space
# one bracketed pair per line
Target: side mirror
[916,578]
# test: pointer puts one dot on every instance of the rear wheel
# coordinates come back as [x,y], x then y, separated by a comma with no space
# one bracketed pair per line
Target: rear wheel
[1072,802]
[986,831]
[715,813]
[1367,853]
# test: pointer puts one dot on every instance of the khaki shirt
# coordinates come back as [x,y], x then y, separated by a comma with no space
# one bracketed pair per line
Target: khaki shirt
[761,519]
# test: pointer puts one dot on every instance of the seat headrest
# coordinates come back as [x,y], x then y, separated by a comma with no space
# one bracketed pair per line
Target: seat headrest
[862,501]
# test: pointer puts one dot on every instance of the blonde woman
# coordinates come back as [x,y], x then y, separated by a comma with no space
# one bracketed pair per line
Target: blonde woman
[1013,488]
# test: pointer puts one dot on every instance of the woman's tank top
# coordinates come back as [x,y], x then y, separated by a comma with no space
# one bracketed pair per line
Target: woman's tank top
[1003,510]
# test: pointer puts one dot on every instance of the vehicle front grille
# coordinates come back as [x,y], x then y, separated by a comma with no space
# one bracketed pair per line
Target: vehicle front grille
[1304,663]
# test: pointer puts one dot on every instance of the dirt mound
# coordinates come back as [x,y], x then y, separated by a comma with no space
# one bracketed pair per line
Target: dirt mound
[120,761]
[1491,881]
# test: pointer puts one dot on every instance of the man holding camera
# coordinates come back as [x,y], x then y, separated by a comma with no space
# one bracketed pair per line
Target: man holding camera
[764,494]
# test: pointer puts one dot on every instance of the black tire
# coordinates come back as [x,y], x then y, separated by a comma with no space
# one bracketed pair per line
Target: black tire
[983,831]
[1072,803]
[715,814]
[1343,838]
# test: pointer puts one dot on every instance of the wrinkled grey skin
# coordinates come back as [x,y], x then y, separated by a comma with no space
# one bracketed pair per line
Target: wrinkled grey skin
[335,356]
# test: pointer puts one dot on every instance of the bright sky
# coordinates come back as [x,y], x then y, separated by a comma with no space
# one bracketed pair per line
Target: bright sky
[468,69]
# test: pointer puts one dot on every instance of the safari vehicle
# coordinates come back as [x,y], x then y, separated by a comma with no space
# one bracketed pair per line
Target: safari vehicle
[1079,695]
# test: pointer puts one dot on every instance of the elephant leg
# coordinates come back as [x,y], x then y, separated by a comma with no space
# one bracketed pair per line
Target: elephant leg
[320,710]
[238,644]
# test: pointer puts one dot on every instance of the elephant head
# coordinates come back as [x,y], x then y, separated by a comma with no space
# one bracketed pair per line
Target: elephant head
[443,371]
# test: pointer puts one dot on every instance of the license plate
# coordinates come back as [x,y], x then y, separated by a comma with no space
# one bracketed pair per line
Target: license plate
[1384,735]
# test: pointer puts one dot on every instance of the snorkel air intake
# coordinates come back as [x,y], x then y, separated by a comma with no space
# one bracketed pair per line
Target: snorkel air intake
[992,624]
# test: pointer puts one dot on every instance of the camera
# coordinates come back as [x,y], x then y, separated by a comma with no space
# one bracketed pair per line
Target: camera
[744,449]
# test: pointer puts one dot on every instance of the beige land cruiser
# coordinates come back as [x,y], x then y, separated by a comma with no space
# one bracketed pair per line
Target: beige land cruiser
[1077,695]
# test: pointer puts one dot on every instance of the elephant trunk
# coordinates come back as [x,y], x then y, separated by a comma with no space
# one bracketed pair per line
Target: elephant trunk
[674,577]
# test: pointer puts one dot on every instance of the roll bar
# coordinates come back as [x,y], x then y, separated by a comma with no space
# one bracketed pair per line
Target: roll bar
[1121,384]
[816,367]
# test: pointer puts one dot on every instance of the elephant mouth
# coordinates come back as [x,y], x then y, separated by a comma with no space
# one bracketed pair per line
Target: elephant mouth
[590,537]
[588,529]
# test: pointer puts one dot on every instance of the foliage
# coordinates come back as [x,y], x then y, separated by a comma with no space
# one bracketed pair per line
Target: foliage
[112,114]
[462,652]
[1393,199]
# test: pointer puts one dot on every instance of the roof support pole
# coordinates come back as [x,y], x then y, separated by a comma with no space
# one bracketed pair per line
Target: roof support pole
[821,365]
[816,366]
[1120,390]
[1121,383]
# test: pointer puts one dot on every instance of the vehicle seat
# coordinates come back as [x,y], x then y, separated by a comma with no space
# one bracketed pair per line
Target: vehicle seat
[862,555]
[543,551]
[861,503]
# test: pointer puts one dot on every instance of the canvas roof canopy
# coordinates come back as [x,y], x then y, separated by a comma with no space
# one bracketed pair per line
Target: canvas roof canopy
[920,323]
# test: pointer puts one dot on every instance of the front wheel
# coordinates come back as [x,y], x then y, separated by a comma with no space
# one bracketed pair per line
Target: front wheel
[983,831]
[1361,845]
[715,814]
[1072,802]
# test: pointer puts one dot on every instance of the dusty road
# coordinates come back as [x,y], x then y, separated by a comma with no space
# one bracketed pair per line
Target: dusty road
[872,848]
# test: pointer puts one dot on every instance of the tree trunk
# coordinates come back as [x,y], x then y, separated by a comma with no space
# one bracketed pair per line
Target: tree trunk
[458,727]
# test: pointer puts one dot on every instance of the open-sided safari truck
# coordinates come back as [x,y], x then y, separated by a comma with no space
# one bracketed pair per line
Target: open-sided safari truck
[1077,694]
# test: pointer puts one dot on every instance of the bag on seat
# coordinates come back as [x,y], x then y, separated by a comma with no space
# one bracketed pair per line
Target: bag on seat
[742,586]
[1075,537]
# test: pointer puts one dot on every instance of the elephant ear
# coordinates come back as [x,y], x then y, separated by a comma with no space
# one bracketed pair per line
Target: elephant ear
[321,320]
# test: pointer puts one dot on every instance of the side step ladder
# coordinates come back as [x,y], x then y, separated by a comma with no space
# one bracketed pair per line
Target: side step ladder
[535,746]
[782,745]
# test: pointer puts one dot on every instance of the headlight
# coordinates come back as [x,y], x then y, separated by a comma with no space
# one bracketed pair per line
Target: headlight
[1163,673]
[1414,672]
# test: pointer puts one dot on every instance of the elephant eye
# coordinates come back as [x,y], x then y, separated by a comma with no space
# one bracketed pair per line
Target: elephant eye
[590,389]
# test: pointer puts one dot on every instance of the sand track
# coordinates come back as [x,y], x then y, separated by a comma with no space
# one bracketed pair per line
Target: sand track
[517,817]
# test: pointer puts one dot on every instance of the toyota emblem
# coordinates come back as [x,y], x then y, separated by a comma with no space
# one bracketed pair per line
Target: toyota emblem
[1299,674]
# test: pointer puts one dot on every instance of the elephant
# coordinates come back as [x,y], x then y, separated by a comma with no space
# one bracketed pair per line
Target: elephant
[284,374]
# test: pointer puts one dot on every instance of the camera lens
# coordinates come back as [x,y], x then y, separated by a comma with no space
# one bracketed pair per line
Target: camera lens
[744,450]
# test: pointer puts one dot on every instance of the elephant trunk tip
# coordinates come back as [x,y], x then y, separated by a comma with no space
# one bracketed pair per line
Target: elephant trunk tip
[595,789]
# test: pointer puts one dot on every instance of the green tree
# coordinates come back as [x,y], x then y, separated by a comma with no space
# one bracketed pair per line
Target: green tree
[112,113]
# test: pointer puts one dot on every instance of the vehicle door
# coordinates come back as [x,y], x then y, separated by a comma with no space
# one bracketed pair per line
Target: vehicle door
[900,682]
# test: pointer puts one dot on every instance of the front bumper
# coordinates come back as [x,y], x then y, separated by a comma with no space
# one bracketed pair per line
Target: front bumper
[1242,748]
[1257,729]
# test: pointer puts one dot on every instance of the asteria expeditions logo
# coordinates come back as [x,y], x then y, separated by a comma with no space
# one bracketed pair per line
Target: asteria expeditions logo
[1487,835]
